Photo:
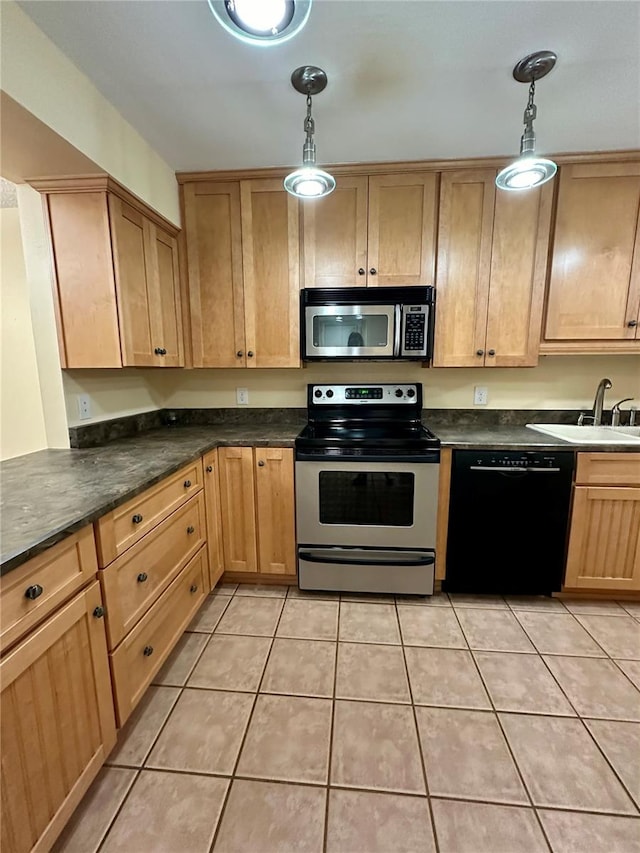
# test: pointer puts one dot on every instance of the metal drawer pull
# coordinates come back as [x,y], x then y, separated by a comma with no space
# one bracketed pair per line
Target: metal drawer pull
[191,529]
[209,469]
[98,612]
[193,588]
[33,592]
[142,577]
[137,518]
[147,651]
[187,484]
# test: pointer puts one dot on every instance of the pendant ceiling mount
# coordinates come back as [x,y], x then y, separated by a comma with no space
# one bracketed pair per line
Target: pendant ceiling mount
[309,80]
[535,66]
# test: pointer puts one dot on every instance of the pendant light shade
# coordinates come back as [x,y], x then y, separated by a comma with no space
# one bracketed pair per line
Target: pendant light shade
[309,181]
[528,170]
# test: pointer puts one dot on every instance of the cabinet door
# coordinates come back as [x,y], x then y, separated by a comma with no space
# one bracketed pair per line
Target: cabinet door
[271,269]
[335,236]
[520,244]
[214,519]
[604,542]
[164,289]
[464,265]
[275,510]
[214,257]
[594,288]
[87,317]
[129,235]
[58,723]
[402,228]
[237,498]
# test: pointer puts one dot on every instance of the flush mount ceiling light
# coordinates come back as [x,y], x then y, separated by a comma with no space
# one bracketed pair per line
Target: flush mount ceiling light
[309,181]
[528,170]
[262,22]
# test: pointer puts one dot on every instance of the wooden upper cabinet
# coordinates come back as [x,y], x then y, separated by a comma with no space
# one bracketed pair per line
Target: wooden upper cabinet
[492,256]
[594,288]
[377,230]
[271,268]
[242,242]
[117,294]
[335,236]
[214,256]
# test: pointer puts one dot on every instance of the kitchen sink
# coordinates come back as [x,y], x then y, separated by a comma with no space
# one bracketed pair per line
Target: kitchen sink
[591,434]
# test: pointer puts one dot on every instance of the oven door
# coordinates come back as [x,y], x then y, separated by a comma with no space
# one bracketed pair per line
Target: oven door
[367,504]
[351,331]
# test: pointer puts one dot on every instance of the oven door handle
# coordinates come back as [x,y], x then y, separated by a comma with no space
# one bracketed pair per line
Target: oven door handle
[309,557]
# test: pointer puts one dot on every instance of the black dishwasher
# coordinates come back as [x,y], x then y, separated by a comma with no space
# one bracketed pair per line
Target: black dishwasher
[508,519]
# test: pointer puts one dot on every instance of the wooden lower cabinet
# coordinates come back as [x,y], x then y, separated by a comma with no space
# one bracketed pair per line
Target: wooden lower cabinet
[57,722]
[257,503]
[604,539]
[143,651]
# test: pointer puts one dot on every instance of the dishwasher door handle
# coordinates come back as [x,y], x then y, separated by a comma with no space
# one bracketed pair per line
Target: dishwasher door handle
[515,469]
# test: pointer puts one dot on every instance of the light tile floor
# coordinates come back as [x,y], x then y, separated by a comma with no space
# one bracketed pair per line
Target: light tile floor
[314,722]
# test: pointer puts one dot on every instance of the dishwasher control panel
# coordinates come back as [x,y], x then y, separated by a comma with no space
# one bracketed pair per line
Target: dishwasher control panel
[534,460]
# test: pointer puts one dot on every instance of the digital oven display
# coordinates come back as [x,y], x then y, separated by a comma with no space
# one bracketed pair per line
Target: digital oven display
[363,393]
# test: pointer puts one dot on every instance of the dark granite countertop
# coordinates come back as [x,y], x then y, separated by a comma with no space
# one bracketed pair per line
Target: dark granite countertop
[47,495]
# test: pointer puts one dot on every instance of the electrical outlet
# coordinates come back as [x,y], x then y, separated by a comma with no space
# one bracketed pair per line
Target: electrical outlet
[480,395]
[84,406]
[242,396]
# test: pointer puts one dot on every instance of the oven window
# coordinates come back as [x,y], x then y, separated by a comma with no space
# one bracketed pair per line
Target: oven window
[351,330]
[366,497]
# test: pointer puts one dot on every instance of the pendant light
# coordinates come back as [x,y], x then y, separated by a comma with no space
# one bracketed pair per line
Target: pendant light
[262,22]
[309,181]
[528,170]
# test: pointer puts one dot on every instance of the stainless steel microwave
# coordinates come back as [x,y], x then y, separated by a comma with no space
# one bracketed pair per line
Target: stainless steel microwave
[351,323]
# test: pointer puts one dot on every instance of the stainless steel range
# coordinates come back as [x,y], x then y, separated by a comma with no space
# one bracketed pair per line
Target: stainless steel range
[366,490]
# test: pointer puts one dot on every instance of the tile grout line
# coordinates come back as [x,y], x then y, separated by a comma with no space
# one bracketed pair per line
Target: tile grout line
[417,730]
[109,825]
[246,731]
[505,738]
[331,728]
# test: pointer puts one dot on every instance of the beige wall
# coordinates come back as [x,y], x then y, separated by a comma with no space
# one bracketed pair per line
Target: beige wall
[39,76]
[22,428]
[113,393]
[558,382]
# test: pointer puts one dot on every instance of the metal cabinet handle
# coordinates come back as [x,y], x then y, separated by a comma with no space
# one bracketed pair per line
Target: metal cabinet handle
[209,469]
[137,518]
[239,354]
[193,588]
[160,351]
[492,352]
[250,354]
[187,484]
[142,577]
[361,271]
[632,323]
[373,271]
[98,612]
[479,352]
[147,651]
[261,463]
[33,592]
[191,529]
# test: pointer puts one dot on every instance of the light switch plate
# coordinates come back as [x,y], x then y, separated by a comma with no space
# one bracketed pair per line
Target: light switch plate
[480,395]
[242,396]
[84,406]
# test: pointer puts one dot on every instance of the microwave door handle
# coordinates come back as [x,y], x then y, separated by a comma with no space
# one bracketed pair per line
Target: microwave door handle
[397,331]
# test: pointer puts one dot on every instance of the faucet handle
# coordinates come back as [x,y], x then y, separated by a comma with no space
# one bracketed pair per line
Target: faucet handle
[615,411]
[582,417]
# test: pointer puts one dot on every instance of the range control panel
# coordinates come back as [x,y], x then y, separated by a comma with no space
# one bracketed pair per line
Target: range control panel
[387,394]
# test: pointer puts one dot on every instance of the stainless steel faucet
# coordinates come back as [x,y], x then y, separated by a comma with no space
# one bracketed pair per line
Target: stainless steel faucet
[598,402]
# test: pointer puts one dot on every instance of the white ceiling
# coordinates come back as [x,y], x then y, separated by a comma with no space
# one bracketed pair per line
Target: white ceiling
[408,79]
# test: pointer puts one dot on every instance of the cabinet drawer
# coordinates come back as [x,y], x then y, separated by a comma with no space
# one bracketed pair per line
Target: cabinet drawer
[125,525]
[58,572]
[135,580]
[608,469]
[141,654]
